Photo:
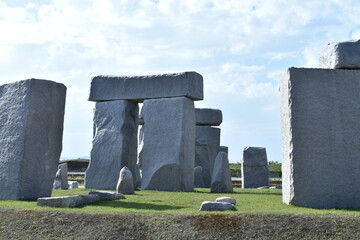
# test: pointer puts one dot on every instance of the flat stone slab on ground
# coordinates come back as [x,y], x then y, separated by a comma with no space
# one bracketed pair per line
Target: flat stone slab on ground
[68,201]
[226,199]
[208,116]
[341,55]
[31,129]
[107,196]
[320,112]
[140,88]
[216,206]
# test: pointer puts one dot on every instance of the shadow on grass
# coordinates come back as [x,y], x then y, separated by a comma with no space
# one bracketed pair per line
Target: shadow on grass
[251,191]
[142,206]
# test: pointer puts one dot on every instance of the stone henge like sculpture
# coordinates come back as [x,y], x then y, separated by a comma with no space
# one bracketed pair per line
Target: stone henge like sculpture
[167,154]
[254,169]
[320,112]
[207,140]
[31,128]
[221,177]
[114,143]
[125,184]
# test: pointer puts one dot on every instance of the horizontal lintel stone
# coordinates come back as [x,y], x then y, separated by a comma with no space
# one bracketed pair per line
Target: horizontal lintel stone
[139,88]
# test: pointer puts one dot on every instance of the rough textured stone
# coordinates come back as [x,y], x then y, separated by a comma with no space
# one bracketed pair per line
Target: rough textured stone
[114,143]
[224,149]
[61,178]
[206,149]
[208,116]
[221,177]
[107,196]
[198,177]
[345,55]
[226,199]
[320,112]
[73,184]
[139,88]
[216,206]
[125,183]
[31,128]
[254,169]
[137,178]
[167,156]
[68,201]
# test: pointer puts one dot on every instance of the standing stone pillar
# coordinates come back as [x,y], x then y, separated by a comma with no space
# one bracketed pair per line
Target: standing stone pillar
[254,169]
[167,156]
[31,129]
[207,141]
[114,143]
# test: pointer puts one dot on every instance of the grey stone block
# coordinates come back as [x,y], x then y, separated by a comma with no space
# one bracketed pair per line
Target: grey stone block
[61,178]
[198,177]
[254,169]
[167,156]
[216,206]
[114,143]
[221,177]
[125,183]
[226,199]
[140,88]
[320,112]
[344,55]
[31,128]
[206,149]
[73,184]
[208,116]
[107,196]
[224,149]
[137,178]
[68,201]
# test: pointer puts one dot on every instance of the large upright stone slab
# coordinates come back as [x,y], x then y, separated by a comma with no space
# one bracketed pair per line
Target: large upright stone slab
[221,177]
[206,149]
[31,128]
[320,112]
[139,88]
[114,143]
[208,116]
[167,156]
[345,55]
[254,169]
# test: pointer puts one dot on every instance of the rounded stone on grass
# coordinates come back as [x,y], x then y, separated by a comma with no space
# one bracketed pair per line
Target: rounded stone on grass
[227,200]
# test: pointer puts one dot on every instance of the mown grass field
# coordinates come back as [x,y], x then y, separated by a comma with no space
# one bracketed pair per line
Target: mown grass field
[249,201]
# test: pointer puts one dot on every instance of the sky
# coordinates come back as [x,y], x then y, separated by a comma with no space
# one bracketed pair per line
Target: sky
[239,47]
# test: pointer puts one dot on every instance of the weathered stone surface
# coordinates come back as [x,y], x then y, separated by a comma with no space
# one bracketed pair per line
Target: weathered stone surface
[206,149]
[167,156]
[345,55]
[68,201]
[254,169]
[320,112]
[216,206]
[107,196]
[226,199]
[198,177]
[224,149]
[114,143]
[208,116]
[73,184]
[221,177]
[125,183]
[61,178]
[140,88]
[31,128]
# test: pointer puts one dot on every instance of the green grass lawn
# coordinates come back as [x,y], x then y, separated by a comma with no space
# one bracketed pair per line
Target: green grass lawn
[249,201]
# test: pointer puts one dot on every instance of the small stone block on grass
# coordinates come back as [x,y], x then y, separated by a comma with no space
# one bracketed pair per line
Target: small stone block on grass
[216,206]
[68,201]
[226,199]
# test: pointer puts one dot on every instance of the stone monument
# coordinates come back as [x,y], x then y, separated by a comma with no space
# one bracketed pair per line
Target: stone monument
[254,169]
